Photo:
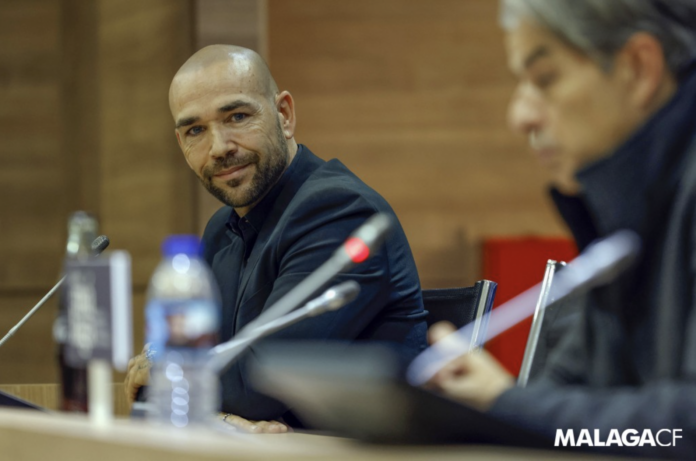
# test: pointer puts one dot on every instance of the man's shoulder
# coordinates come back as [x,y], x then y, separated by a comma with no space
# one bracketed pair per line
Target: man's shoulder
[334,182]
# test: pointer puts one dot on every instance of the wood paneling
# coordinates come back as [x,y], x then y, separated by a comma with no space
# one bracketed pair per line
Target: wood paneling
[231,22]
[81,104]
[85,124]
[412,97]
[146,188]
[34,186]
[30,355]
[32,214]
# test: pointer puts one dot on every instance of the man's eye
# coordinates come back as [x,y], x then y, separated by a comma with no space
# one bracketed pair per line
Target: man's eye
[238,117]
[195,131]
[544,81]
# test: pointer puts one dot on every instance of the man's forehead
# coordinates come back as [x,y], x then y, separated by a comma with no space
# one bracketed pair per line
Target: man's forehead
[527,43]
[214,82]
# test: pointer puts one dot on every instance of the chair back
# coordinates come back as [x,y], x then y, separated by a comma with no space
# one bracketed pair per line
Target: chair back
[533,339]
[461,306]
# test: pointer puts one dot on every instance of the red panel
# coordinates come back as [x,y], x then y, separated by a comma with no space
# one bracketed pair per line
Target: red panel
[516,264]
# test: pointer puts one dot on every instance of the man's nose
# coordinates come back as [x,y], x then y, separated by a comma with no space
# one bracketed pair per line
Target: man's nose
[525,114]
[222,143]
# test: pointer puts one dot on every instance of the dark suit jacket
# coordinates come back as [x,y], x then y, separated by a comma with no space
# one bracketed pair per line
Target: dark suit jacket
[310,212]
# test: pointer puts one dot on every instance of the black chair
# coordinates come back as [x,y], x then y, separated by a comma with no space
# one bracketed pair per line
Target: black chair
[461,306]
[553,320]
[533,339]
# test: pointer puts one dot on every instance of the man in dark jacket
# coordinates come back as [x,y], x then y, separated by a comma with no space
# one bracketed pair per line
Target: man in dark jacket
[607,96]
[287,211]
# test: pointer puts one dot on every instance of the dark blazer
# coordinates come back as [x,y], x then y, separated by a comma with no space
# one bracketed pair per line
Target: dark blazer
[310,212]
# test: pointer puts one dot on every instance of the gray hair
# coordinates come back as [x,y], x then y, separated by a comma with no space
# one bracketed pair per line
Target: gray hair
[600,28]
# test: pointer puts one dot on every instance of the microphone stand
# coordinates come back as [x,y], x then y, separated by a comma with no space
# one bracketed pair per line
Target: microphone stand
[31,312]
[223,355]
[332,299]
[359,246]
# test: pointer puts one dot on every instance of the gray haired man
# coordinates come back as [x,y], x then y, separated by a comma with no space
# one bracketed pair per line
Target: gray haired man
[607,97]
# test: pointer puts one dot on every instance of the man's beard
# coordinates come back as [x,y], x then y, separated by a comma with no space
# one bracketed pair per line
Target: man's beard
[268,172]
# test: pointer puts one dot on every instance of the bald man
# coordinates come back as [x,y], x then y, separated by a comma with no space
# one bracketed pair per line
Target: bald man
[286,212]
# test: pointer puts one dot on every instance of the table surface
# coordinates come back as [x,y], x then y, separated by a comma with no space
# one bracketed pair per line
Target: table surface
[30,435]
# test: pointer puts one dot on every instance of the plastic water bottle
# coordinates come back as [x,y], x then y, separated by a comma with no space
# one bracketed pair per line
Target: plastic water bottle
[182,322]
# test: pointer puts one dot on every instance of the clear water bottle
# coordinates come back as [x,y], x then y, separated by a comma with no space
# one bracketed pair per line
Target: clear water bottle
[182,322]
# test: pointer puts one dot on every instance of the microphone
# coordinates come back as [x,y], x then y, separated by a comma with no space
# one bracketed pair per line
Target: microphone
[366,239]
[359,246]
[223,355]
[599,264]
[332,299]
[98,246]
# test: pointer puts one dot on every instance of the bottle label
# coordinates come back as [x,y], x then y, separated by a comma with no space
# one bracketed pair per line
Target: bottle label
[181,324]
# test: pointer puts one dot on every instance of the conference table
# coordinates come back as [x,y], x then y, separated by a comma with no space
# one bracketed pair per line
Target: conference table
[28,435]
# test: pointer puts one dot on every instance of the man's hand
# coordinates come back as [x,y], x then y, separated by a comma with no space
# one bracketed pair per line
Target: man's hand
[475,379]
[257,427]
[138,374]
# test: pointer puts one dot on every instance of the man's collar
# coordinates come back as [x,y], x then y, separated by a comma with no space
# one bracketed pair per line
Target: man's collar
[645,169]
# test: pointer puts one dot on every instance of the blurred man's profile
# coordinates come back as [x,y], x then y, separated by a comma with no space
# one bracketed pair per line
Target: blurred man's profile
[606,95]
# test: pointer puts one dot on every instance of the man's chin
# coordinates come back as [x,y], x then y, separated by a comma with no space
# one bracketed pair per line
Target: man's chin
[239,198]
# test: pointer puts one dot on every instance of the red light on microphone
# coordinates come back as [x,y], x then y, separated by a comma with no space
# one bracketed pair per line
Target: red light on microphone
[357,250]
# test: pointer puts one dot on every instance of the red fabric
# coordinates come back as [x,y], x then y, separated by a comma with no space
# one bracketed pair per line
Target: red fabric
[518,263]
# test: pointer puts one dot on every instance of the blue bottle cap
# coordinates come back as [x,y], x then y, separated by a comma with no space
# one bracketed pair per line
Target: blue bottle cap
[189,245]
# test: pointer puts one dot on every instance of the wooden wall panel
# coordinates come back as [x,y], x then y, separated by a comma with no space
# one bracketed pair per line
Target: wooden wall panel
[146,188]
[412,97]
[80,104]
[30,355]
[33,179]
[85,123]
[32,215]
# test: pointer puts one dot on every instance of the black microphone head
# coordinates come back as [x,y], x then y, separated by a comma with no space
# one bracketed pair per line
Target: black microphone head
[99,244]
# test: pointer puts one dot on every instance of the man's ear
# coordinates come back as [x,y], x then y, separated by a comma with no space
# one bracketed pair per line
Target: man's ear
[178,139]
[286,110]
[642,64]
